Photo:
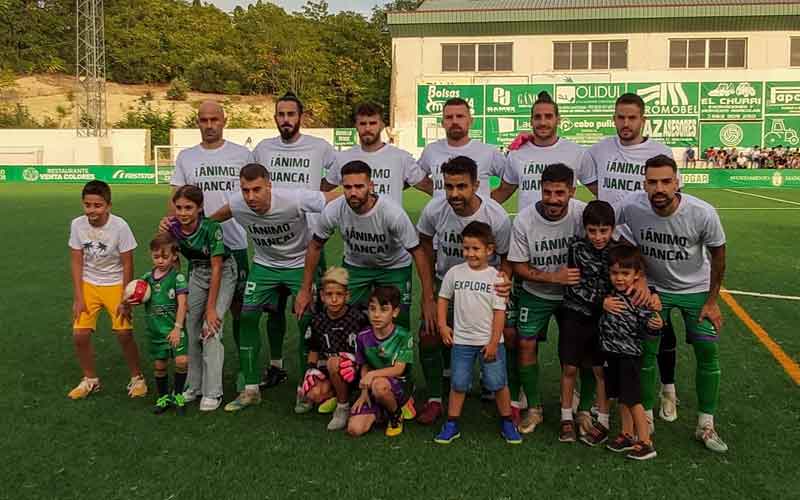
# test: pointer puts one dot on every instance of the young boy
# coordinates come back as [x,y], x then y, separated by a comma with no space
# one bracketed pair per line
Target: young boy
[621,337]
[478,321]
[166,314]
[101,259]
[385,352]
[333,341]
[578,343]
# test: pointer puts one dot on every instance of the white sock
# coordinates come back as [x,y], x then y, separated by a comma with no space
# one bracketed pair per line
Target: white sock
[705,420]
[342,406]
[566,414]
[668,389]
[516,404]
[604,419]
[277,363]
[649,414]
[251,388]
[435,400]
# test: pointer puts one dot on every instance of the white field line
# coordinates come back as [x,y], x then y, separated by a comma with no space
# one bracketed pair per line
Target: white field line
[763,197]
[763,295]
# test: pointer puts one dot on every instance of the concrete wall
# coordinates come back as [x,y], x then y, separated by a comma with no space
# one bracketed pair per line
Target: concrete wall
[419,60]
[64,147]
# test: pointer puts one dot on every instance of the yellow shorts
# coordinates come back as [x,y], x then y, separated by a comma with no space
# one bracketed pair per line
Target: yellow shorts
[98,297]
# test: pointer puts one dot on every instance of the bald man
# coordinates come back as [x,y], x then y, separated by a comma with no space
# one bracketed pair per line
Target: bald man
[213,166]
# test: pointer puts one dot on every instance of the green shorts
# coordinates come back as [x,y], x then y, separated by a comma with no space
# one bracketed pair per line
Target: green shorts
[533,315]
[243,268]
[264,284]
[690,305]
[160,348]
[363,280]
[511,306]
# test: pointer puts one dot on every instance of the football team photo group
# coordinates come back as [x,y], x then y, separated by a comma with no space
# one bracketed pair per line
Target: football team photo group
[247,238]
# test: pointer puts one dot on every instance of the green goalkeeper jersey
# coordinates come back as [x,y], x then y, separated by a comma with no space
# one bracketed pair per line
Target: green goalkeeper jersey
[163,304]
[205,242]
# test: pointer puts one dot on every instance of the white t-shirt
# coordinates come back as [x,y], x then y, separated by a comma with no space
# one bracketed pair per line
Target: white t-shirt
[102,246]
[392,169]
[674,247]
[440,222]
[379,239]
[280,236]
[526,164]
[299,164]
[618,169]
[491,162]
[474,302]
[544,244]
[216,173]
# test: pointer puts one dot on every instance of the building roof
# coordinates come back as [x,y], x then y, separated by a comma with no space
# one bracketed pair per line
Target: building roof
[484,17]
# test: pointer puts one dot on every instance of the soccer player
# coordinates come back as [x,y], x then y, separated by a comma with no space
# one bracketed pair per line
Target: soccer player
[294,161]
[276,220]
[477,332]
[540,148]
[616,165]
[683,245]
[385,353]
[380,242]
[457,120]
[166,314]
[621,337]
[332,347]
[101,260]
[538,253]
[213,166]
[212,285]
[440,227]
[393,169]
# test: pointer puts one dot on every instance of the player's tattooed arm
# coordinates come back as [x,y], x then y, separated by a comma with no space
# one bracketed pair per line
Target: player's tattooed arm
[503,192]
[502,286]
[76,267]
[426,279]
[313,252]
[224,213]
[564,276]
[425,185]
[711,309]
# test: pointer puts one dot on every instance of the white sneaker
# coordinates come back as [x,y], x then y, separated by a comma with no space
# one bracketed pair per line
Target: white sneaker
[668,409]
[210,404]
[584,422]
[533,418]
[710,438]
[190,395]
[340,416]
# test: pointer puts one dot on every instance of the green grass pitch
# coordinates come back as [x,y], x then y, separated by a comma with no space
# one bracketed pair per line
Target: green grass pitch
[110,447]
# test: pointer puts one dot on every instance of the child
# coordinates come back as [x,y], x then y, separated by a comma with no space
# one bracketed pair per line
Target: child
[166,314]
[578,344]
[212,284]
[621,338]
[101,258]
[385,352]
[333,341]
[478,320]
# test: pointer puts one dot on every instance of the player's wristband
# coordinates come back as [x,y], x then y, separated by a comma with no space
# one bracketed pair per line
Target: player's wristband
[178,325]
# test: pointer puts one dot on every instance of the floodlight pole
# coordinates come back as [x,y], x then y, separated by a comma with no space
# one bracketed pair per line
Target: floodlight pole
[91,68]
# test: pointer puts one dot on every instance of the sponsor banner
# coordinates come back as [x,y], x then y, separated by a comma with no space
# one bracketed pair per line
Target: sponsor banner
[674,131]
[731,100]
[730,135]
[501,130]
[431,98]
[504,100]
[429,129]
[668,99]
[112,174]
[586,130]
[588,98]
[344,137]
[782,98]
[782,131]
[741,178]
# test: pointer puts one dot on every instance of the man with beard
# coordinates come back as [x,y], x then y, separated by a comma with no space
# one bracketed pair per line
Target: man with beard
[540,240]
[393,169]
[457,120]
[379,243]
[616,169]
[539,149]
[213,166]
[294,161]
[677,233]
[442,222]
[277,224]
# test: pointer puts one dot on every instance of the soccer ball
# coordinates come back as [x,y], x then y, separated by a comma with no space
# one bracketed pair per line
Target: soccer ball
[137,292]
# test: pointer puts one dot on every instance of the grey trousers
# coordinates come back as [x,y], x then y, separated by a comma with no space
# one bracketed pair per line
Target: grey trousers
[206,357]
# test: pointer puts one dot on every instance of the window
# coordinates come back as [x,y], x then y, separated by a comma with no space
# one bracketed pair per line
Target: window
[794,52]
[590,55]
[708,53]
[466,57]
